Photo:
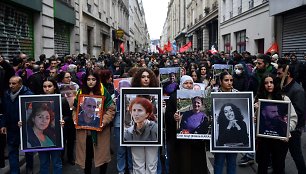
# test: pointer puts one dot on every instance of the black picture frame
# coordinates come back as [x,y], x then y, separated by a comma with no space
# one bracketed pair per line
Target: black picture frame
[232,128]
[277,127]
[53,132]
[154,95]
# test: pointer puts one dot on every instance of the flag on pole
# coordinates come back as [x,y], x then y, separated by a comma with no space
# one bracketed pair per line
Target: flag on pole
[168,47]
[185,47]
[159,50]
[174,48]
[122,47]
[273,48]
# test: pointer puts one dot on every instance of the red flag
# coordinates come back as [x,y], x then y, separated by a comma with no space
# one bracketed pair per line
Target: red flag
[159,50]
[185,47]
[273,48]
[169,46]
[122,47]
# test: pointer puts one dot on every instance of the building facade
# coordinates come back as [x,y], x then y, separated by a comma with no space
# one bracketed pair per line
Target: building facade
[290,17]
[38,27]
[138,31]
[245,26]
[192,20]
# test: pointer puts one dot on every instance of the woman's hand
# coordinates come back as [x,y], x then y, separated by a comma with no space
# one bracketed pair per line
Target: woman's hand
[233,123]
[20,124]
[177,117]
[62,123]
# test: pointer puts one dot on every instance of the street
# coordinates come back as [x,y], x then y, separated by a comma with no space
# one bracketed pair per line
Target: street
[251,169]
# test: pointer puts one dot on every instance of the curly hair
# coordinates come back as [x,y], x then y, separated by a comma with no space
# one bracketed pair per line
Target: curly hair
[136,80]
[263,93]
[96,89]
[222,118]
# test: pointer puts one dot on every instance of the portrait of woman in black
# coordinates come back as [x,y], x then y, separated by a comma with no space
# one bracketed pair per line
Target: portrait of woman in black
[232,128]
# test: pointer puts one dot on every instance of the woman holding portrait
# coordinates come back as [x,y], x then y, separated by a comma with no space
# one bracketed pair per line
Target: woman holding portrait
[226,85]
[185,156]
[145,158]
[94,145]
[267,148]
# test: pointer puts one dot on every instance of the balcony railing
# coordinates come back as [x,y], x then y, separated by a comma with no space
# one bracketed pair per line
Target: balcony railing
[251,4]
[214,5]
[239,10]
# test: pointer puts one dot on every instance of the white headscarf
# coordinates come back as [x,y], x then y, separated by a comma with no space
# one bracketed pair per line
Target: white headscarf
[184,78]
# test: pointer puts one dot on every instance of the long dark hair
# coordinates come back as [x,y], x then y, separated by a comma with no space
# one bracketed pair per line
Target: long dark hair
[52,80]
[136,80]
[222,118]
[263,93]
[96,89]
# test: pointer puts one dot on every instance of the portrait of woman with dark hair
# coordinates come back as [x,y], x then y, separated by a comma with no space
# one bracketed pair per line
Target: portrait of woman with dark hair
[171,85]
[232,128]
[39,131]
[143,129]
[195,121]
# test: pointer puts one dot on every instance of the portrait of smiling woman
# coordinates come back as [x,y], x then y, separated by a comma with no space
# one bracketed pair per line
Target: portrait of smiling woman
[232,128]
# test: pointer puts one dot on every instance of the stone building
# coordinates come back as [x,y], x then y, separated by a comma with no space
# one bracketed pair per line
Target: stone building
[245,26]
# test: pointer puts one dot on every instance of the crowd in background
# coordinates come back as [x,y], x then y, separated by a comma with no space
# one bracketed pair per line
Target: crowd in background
[248,74]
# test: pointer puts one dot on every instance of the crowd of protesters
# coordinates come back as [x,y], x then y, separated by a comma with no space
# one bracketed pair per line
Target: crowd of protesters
[94,76]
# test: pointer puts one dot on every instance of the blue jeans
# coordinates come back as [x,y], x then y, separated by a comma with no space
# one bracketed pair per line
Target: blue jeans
[230,161]
[123,153]
[13,142]
[44,158]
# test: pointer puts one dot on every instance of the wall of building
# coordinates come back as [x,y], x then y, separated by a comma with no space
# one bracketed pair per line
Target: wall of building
[256,21]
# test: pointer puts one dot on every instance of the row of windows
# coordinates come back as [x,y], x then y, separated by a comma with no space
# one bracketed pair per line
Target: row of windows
[240,41]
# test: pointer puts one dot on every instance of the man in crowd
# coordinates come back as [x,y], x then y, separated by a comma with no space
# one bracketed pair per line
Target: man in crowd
[9,124]
[297,96]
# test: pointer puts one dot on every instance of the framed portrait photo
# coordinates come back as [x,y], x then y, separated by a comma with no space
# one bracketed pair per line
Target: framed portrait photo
[40,116]
[89,112]
[169,80]
[141,117]
[232,128]
[195,122]
[273,119]
[219,68]
[69,91]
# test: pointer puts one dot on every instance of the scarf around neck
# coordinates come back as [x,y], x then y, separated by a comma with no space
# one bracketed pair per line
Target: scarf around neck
[14,96]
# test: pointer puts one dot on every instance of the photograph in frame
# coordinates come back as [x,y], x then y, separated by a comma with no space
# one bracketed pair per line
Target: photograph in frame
[69,91]
[141,117]
[89,114]
[169,80]
[232,127]
[219,68]
[273,119]
[40,116]
[195,122]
